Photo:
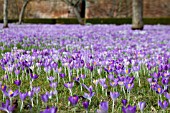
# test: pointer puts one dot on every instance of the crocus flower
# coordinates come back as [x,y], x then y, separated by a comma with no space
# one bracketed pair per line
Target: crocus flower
[53,84]
[167,95]
[69,85]
[23,96]
[17,82]
[73,99]
[141,105]
[3,88]
[163,105]
[11,94]
[50,110]
[51,78]
[62,75]
[114,95]
[103,107]
[34,76]
[129,109]
[129,86]
[44,97]
[85,105]
[7,107]
[124,102]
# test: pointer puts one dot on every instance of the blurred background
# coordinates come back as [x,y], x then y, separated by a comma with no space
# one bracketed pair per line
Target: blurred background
[94,9]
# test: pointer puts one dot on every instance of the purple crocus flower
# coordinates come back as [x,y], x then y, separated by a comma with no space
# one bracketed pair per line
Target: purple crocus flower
[36,90]
[73,99]
[44,97]
[50,110]
[111,77]
[34,76]
[141,105]
[163,105]
[85,105]
[11,94]
[103,107]
[129,86]
[114,95]
[23,96]
[3,88]
[17,82]
[159,89]
[69,85]
[129,109]
[167,95]
[30,94]
[53,84]
[17,72]
[7,107]
[51,78]
[62,75]
[114,83]
[124,102]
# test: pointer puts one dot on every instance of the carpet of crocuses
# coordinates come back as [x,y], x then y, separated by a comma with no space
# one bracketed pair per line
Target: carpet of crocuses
[84,69]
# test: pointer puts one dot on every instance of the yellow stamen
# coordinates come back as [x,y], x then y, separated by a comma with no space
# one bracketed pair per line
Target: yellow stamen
[129,85]
[127,71]
[11,92]
[159,90]
[2,87]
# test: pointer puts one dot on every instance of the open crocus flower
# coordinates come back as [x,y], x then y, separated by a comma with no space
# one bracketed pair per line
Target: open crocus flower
[50,110]
[7,107]
[103,107]
[3,88]
[51,78]
[73,99]
[129,109]
[69,85]
[11,94]
[163,105]
[129,86]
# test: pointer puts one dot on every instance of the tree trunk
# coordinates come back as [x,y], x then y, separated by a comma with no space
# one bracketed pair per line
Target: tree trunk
[5,14]
[80,20]
[137,22]
[21,15]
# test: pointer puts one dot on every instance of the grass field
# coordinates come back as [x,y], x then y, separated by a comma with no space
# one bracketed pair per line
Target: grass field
[84,69]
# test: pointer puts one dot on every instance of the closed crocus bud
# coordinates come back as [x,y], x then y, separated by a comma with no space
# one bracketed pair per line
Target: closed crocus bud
[73,99]
[17,82]
[114,95]
[85,104]
[141,105]
[124,102]
[103,107]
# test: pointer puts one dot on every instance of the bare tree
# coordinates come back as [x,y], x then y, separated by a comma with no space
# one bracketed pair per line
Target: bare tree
[78,8]
[21,15]
[5,14]
[137,22]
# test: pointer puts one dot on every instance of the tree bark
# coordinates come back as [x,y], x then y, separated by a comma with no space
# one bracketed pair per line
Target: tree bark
[137,16]
[21,15]
[80,20]
[5,14]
